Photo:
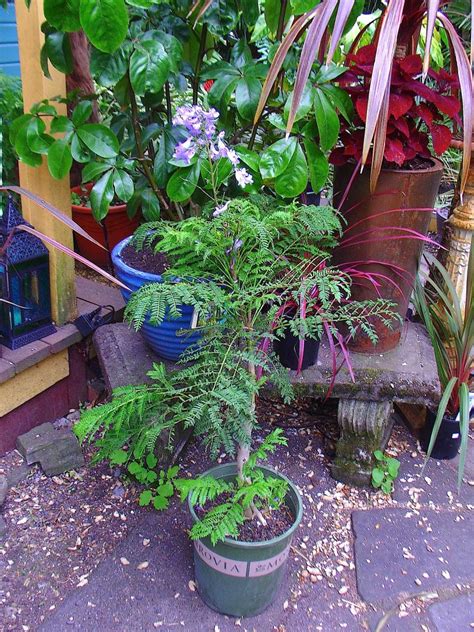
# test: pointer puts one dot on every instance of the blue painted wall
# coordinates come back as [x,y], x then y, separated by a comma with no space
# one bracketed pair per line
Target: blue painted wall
[9,58]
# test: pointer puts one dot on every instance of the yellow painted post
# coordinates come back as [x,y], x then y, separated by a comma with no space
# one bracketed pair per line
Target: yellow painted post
[37,179]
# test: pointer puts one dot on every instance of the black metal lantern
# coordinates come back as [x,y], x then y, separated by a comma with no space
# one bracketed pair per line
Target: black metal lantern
[25,312]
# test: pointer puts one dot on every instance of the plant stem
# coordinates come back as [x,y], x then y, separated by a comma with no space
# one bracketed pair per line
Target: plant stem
[169,114]
[281,20]
[197,70]
[143,159]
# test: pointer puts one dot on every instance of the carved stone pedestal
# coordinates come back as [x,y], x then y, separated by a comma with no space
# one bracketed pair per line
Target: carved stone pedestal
[365,427]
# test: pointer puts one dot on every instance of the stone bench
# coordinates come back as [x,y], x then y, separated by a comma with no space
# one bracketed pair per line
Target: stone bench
[405,375]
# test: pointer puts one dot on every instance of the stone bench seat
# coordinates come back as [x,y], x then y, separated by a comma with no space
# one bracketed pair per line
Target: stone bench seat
[407,374]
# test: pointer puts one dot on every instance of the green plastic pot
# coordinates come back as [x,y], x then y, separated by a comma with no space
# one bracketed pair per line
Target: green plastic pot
[241,579]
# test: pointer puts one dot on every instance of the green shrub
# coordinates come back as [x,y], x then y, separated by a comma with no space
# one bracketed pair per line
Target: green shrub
[11,106]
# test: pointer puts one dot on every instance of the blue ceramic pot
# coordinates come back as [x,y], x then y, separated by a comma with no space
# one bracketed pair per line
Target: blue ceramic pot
[164,338]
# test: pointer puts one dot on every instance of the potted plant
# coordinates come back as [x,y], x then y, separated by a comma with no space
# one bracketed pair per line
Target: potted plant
[113,228]
[451,330]
[237,268]
[387,88]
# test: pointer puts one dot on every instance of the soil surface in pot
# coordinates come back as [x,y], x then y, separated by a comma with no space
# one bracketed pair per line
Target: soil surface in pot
[145,260]
[278,522]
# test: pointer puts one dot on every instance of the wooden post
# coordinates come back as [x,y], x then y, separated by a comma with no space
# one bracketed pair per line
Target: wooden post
[37,179]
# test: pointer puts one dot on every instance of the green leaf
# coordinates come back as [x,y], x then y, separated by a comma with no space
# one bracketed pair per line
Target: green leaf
[222,170]
[145,498]
[63,14]
[99,139]
[393,465]
[20,135]
[149,67]
[327,120]
[79,152]
[220,93]
[150,206]
[305,105]
[58,49]
[118,457]
[160,503]
[318,165]
[105,22]
[172,472]
[293,181]
[107,69]
[240,55]
[101,196]
[247,94]
[183,183]
[377,476]
[166,489]
[82,113]
[276,158]
[168,141]
[59,159]
[340,99]
[61,124]
[34,131]
[379,455]
[387,487]
[123,185]
[248,157]
[151,460]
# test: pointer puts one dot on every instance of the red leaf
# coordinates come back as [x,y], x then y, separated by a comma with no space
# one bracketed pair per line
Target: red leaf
[365,56]
[402,126]
[394,151]
[447,104]
[361,107]
[425,114]
[411,65]
[441,136]
[399,104]
[207,85]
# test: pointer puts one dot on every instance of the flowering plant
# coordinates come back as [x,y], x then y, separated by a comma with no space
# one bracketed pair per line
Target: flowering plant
[203,153]
[416,110]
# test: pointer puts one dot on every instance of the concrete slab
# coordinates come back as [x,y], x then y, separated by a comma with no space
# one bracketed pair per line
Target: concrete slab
[402,551]
[453,615]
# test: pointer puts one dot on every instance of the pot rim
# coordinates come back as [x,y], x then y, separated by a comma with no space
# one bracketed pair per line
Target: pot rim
[79,208]
[437,166]
[261,543]
[120,263]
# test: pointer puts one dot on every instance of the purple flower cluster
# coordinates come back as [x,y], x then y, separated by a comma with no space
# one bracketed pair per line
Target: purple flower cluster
[201,126]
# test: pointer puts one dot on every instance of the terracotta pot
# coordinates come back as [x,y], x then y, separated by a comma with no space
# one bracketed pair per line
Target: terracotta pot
[373,235]
[115,227]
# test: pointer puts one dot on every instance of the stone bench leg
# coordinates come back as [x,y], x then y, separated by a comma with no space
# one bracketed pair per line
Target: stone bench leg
[365,427]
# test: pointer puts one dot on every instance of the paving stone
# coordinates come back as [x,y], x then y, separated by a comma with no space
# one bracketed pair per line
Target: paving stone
[453,615]
[18,474]
[27,356]
[64,337]
[57,451]
[412,622]
[395,547]
[7,370]
[437,484]
[3,488]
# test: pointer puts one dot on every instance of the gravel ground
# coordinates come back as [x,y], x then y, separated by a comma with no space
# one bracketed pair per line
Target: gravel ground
[61,528]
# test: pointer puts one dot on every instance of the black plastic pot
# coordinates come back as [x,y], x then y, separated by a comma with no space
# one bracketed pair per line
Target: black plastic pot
[287,350]
[241,579]
[448,440]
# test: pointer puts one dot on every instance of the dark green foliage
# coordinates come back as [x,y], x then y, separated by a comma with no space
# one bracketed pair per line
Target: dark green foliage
[11,106]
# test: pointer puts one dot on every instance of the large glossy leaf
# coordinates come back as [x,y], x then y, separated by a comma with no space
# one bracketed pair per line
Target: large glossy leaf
[276,158]
[123,185]
[168,141]
[82,113]
[101,195]
[93,170]
[149,67]
[107,69]
[79,151]
[247,94]
[294,180]
[58,49]
[105,22]
[326,119]
[59,159]
[248,157]
[63,14]
[22,147]
[183,183]
[99,139]
[318,165]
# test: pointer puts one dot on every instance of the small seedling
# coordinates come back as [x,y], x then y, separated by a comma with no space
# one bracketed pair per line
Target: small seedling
[384,472]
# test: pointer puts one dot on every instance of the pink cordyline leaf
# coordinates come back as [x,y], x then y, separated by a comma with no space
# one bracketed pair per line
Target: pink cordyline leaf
[370,241]
[345,353]
[380,139]
[280,55]
[202,11]
[416,234]
[349,186]
[423,209]
[314,37]
[343,13]
[71,253]
[466,89]
[382,70]
[350,268]
[51,209]
[432,10]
